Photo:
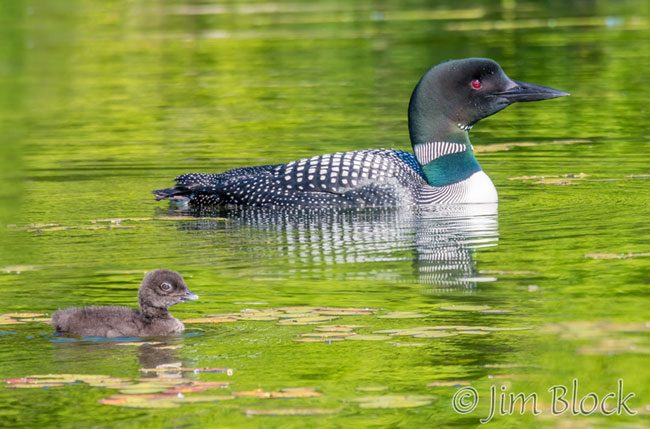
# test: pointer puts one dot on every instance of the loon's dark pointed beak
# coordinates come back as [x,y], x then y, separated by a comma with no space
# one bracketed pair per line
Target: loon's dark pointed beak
[522,91]
[189,296]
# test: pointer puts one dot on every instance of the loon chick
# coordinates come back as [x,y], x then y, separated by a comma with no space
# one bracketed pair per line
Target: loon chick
[447,101]
[159,289]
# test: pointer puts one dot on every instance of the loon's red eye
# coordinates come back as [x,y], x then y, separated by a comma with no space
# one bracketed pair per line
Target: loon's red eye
[476,84]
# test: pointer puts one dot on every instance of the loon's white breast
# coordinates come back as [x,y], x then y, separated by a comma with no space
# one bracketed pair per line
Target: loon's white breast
[476,189]
[480,189]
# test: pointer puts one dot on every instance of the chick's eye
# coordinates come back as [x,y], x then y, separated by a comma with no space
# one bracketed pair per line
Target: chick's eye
[476,84]
[166,287]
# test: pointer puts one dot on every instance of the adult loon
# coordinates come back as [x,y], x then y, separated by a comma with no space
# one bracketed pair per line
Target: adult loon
[447,101]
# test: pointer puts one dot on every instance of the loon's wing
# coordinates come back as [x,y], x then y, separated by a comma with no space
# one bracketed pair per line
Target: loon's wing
[344,179]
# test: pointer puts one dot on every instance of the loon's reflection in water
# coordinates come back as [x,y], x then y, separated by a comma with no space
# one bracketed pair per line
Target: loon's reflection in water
[440,241]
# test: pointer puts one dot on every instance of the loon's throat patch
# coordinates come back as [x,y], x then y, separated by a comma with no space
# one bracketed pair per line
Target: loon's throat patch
[449,169]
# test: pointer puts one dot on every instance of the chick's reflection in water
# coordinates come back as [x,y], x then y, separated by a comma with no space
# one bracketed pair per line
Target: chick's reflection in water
[435,247]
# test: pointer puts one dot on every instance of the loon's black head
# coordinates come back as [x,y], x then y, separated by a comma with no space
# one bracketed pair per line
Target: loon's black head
[456,94]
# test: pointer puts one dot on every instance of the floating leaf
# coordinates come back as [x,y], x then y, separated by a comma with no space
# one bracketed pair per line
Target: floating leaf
[337,328]
[562,180]
[474,332]
[292,412]
[614,346]
[298,315]
[19,318]
[326,335]
[594,329]
[318,339]
[260,318]
[296,392]
[312,320]
[56,380]
[402,315]
[199,386]
[202,398]
[368,337]
[290,393]
[495,311]
[394,401]
[17,269]
[175,367]
[335,311]
[502,147]
[259,393]
[433,334]
[616,255]
[453,383]
[141,401]
[444,331]
[463,307]
[296,309]
[9,321]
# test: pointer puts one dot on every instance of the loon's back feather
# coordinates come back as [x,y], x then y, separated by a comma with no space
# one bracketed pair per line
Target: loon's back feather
[375,177]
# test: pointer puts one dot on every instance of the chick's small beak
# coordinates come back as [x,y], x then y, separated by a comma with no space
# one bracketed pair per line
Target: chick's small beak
[522,91]
[190,296]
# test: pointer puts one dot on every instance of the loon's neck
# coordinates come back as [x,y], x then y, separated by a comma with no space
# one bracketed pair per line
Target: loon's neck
[151,312]
[447,159]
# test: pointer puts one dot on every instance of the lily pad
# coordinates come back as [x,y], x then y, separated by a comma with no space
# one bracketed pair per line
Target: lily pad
[337,328]
[449,383]
[474,332]
[202,398]
[402,315]
[289,393]
[141,401]
[368,337]
[617,255]
[175,367]
[199,386]
[463,307]
[502,147]
[311,320]
[56,380]
[326,335]
[318,339]
[394,401]
[9,321]
[296,309]
[259,393]
[292,412]
[337,311]
[495,311]
[296,392]
[17,269]
[562,180]
[433,334]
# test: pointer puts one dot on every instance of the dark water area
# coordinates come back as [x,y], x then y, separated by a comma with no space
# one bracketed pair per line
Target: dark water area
[335,319]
